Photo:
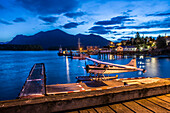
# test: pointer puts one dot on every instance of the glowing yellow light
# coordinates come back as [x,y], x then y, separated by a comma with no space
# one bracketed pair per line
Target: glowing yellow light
[119,44]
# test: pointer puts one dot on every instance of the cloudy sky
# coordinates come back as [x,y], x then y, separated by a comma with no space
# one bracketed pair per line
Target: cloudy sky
[112,19]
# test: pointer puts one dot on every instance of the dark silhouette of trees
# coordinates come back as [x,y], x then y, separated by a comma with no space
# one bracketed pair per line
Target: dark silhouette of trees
[137,35]
[137,38]
[161,42]
[20,47]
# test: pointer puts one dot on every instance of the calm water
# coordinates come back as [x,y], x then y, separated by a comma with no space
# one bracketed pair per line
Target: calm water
[15,67]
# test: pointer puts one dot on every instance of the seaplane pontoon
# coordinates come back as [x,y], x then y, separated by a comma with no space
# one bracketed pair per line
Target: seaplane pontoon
[100,68]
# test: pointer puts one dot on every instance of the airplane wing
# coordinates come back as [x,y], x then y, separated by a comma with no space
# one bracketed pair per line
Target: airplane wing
[117,65]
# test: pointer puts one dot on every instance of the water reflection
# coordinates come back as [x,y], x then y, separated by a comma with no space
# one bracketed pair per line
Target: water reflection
[152,66]
[141,57]
[67,70]
[111,57]
[125,56]
[14,68]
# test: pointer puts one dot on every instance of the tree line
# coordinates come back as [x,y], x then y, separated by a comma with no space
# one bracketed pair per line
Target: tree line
[20,47]
[138,41]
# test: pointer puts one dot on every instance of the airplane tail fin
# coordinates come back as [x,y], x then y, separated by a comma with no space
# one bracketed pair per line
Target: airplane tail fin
[132,63]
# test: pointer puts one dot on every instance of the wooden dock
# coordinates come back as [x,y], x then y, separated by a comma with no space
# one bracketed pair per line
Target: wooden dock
[97,85]
[35,85]
[82,86]
[118,95]
[157,104]
[142,96]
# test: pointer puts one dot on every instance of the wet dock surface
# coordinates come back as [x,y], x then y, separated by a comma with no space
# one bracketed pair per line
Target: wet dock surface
[62,88]
[141,96]
[92,96]
[82,86]
[97,85]
[157,104]
[35,83]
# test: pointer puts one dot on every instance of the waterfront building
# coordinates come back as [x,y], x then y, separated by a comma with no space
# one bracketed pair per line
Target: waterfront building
[92,48]
[129,48]
[167,40]
[119,49]
[126,48]
[111,44]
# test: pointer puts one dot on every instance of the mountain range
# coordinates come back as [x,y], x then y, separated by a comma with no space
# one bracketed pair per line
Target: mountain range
[56,38]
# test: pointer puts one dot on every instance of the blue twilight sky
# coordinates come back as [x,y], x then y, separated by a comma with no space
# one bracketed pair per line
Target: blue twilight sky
[112,19]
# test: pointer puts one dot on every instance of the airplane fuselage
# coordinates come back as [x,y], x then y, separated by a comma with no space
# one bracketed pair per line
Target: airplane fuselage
[107,70]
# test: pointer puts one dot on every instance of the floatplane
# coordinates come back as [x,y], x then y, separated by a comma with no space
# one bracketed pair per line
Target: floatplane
[100,68]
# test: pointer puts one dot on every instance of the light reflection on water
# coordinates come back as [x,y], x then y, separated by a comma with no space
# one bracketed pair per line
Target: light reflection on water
[67,70]
[15,67]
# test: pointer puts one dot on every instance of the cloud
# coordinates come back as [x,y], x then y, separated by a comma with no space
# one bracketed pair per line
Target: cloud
[49,20]
[131,27]
[120,39]
[146,25]
[126,37]
[1,7]
[19,20]
[72,25]
[115,20]
[127,12]
[74,14]
[113,37]
[109,27]
[99,30]
[159,14]
[155,32]
[158,24]
[46,7]
[117,34]
[5,22]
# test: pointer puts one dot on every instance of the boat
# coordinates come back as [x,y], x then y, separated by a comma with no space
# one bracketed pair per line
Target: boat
[60,53]
[108,68]
[66,53]
[80,56]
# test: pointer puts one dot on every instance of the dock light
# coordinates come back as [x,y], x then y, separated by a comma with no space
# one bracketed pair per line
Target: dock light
[81,48]
[141,48]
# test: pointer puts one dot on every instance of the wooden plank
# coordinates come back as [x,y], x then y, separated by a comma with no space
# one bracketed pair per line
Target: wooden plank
[136,107]
[168,95]
[104,109]
[91,110]
[35,83]
[119,108]
[151,106]
[72,112]
[160,102]
[165,98]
